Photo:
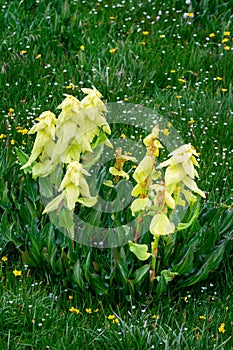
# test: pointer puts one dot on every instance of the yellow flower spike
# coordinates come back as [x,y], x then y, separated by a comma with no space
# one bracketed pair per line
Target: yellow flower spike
[160,225]
[45,130]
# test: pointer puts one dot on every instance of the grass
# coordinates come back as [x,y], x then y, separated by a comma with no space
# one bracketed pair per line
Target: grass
[149,53]
[34,314]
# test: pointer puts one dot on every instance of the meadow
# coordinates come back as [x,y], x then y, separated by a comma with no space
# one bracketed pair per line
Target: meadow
[173,57]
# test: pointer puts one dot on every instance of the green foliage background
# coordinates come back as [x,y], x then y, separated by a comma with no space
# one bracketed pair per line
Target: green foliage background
[48,49]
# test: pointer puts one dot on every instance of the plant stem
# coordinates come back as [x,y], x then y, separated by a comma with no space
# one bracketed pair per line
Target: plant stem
[154,253]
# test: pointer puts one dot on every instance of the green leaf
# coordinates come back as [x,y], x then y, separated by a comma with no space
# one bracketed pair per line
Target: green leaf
[23,158]
[168,275]
[185,265]
[141,273]
[140,250]
[210,265]
[161,286]
[123,270]
[98,284]
[78,275]
[184,226]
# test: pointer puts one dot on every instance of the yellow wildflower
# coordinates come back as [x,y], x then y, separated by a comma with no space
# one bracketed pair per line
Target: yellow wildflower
[142,43]
[225,40]
[172,71]
[82,47]
[4,258]
[212,35]
[227,48]
[221,329]
[22,131]
[162,36]
[2,136]
[202,317]
[155,316]
[70,297]
[123,136]
[111,317]
[12,142]
[113,50]
[88,311]
[17,273]
[166,132]
[227,33]
[145,32]
[38,56]
[219,78]
[181,80]
[73,309]
[178,96]
[190,14]
[223,90]
[191,121]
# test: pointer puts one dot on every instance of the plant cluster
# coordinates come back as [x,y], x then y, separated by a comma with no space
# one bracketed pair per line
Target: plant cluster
[63,143]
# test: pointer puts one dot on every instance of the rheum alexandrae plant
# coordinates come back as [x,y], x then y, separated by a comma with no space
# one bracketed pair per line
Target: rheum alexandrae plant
[159,197]
[62,141]
[64,150]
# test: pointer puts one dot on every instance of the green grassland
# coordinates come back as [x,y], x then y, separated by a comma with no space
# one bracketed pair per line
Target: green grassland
[169,56]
